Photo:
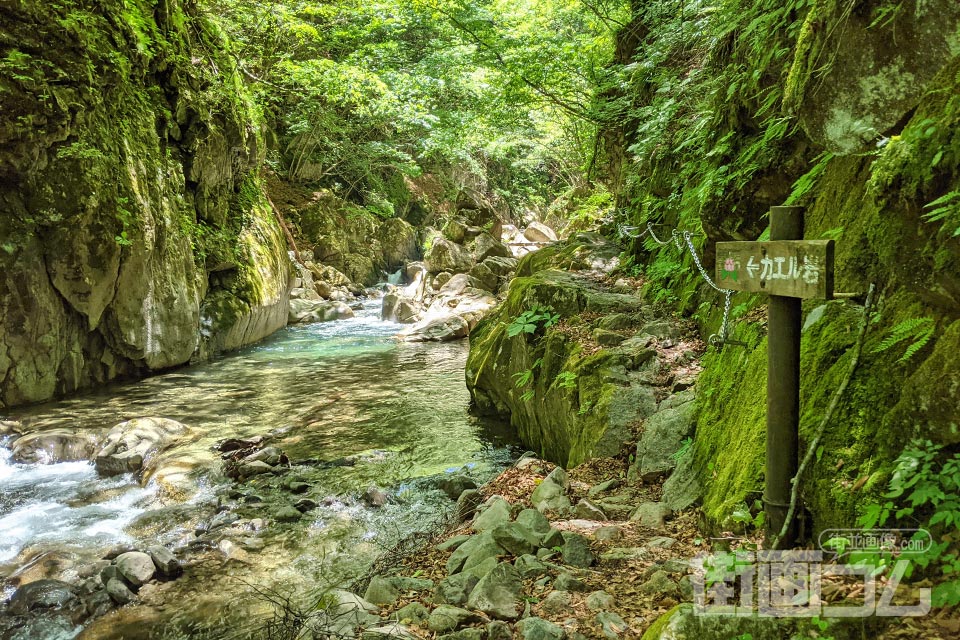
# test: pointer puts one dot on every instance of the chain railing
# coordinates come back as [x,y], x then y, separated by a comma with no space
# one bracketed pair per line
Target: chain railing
[684,240]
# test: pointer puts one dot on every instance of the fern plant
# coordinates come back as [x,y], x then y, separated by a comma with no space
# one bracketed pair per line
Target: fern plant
[524,378]
[917,332]
[566,380]
[945,210]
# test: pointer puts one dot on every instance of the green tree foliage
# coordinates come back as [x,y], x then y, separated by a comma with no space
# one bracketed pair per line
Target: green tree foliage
[361,92]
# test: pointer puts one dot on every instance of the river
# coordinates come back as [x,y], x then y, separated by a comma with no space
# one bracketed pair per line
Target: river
[321,392]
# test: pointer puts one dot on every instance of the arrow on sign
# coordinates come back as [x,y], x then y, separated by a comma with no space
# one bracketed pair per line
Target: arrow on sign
[752,268]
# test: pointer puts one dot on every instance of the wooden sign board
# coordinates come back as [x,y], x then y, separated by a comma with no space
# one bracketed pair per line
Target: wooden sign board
[790,268]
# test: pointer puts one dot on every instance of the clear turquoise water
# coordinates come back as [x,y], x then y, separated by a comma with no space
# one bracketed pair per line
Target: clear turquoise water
[325,391]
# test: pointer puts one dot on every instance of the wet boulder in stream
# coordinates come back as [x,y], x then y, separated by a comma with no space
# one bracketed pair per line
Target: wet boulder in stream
[303,311]
[51,447]
[42,594]
[130,445]
[137,568]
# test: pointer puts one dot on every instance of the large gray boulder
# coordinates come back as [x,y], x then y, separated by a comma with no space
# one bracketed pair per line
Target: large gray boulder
[516,538]
[119,592]
[879,68]
[576,551]
[474,552]
[304,311]
[395,308]
[455,589]
[539,629]
[539,232]
[450,327]
[682,489]
[498,593]
[495,513]
[448,617]
[130,446]
[501,265]
[663,436]
[136,568]
[485,278]
[445,255]
[485,246]
[166,563]
[51,447]
[555,485]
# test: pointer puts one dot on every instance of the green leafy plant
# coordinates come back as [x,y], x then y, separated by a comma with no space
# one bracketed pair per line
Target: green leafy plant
[80,150]
[531,320]
[916,331]
[742,515]
[126,219]
[684,449]
[566,380]
[946,210]
[923,493]
[524,378]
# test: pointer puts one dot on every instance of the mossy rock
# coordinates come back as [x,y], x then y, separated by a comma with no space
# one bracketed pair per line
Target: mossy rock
[571,410]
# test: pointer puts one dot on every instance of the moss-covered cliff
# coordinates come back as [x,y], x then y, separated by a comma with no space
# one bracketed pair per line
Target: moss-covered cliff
[134,233]
[745,105]
[569,396]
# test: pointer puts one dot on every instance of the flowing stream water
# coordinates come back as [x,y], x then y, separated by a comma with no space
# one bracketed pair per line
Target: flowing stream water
[397,412]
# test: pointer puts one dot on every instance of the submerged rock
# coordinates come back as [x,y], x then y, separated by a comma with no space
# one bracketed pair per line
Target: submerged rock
[375,497]
[42,594]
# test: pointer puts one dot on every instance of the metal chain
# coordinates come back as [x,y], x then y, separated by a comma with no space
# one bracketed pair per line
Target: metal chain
[624,230]
[717,339]
[660,242]
[696,261]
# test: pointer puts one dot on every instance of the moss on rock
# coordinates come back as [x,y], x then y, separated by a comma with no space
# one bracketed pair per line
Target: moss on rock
[568,410]
[129,184]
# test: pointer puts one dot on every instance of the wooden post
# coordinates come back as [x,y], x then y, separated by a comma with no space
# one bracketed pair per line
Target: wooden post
[783,387]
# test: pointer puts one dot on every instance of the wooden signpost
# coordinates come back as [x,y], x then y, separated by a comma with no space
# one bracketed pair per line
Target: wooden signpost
[789,269]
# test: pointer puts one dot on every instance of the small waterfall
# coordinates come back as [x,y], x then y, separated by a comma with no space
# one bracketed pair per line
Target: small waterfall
[396,277]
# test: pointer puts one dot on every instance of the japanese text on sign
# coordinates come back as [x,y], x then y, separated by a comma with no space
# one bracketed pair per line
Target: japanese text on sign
[793,268]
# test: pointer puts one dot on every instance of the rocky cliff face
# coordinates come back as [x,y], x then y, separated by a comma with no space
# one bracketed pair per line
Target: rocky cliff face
[575,387]
[134,232]
[809,104]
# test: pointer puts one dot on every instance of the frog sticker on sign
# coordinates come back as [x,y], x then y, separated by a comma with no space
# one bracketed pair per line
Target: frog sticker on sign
[792,268]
